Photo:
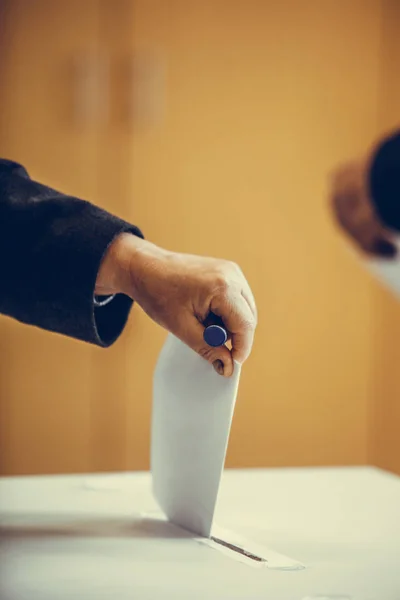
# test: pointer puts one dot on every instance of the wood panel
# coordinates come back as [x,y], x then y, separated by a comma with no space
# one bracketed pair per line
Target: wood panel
[385,413]
[114,192]
[68,410]
[46,380]
[262,100]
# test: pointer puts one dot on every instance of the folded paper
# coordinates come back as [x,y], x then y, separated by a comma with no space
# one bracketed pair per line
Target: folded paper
[192,413]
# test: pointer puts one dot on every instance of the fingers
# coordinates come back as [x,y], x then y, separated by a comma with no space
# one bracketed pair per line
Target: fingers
[364,229]
[355,212]
[239,319]
[191,333]
[237,309]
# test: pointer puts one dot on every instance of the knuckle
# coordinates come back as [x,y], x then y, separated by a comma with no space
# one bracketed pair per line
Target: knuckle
[247,323]
[226,269]
[222,280]
[227,279]
[234,266]
[237,272]
[250,324]
[207,352]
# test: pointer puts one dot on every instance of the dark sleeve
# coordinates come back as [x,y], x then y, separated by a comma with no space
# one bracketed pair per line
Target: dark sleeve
[51,247]
[385,181]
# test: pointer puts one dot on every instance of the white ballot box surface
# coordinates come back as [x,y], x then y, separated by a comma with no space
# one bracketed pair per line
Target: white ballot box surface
[329,533]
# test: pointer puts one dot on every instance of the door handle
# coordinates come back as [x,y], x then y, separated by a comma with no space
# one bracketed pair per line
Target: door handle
[90,90]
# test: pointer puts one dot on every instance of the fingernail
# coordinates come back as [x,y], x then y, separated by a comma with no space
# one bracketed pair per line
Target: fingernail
[385,249]
[219,366]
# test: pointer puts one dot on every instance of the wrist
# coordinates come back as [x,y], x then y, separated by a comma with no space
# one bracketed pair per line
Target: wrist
[113,274]
[142,260]
[125,264]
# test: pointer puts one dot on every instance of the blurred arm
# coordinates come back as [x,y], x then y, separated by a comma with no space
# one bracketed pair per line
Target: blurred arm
[365,197]
[51,249]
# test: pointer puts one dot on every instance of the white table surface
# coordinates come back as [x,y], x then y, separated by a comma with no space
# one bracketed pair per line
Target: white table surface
[101,537]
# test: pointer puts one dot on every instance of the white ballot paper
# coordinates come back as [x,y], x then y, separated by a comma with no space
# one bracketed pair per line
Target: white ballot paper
[388,272]
[192,414]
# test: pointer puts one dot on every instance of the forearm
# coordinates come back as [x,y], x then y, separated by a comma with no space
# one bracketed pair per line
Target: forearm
[385,181]
[51,249]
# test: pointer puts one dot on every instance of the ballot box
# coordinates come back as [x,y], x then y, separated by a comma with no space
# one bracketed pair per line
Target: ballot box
[287,534]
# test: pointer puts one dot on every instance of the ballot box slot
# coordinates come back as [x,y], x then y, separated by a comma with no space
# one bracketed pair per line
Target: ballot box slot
[238,549]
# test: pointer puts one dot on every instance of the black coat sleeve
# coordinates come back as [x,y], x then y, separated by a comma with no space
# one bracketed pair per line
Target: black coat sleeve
[51,247]
[385,181]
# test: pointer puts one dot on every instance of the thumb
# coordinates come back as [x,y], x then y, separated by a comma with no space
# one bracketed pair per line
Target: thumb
[192,335]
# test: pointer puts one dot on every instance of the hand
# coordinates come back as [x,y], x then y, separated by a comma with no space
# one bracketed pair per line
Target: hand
[178,291]
[355,212]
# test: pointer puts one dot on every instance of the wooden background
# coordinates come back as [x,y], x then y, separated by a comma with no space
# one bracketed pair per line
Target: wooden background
[175,114]
[384,449]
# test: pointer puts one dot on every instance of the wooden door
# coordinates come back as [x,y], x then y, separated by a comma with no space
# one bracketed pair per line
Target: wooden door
[262,100]
[50,120]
